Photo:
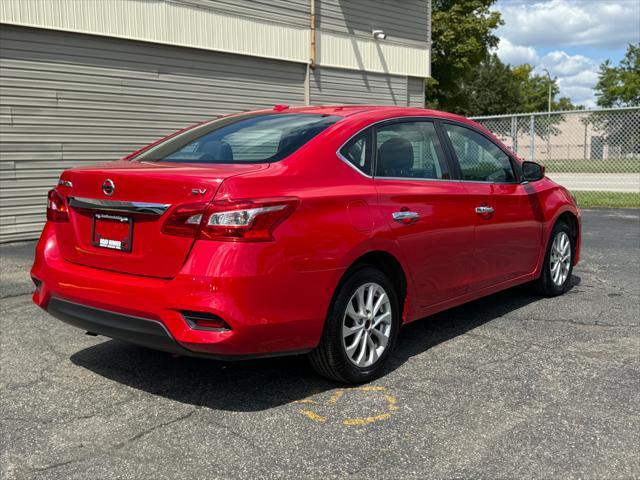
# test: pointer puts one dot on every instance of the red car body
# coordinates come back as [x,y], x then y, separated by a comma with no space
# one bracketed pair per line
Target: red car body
[272,296]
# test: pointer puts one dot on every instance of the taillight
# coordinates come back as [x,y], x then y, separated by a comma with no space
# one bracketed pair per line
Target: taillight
[57,209]
[185,220]
[230,220]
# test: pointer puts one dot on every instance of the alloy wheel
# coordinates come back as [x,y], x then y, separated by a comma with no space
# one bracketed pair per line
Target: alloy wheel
[560,258]
[366,325]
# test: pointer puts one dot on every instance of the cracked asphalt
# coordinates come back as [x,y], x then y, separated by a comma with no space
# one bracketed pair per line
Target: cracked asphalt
[510,386]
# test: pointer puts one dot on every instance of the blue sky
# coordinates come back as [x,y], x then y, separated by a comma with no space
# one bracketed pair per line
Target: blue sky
[570,38]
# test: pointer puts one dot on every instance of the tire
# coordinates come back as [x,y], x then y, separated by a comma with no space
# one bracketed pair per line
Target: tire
[551,283]
[335,357]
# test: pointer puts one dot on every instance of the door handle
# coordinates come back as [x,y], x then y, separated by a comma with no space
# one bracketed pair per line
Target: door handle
[405,216]
[484,210]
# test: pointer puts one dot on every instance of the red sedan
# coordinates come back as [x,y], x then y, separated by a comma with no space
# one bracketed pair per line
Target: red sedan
[314,230]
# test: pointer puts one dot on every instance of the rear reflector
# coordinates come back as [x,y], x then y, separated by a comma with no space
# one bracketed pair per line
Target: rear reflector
[37,282]
[204,321]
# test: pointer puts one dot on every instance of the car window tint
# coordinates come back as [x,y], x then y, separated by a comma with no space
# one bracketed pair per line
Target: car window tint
[409,150]
[479,158]
[358,153]
[253,138]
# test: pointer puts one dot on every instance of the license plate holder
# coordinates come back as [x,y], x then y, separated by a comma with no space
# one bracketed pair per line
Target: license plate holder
[113,232]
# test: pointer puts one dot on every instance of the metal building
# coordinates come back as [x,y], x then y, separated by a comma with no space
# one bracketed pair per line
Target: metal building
[85,81]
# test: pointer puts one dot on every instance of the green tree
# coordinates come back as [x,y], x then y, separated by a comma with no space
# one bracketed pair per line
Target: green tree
[620,86]
[493,89]
[462,33]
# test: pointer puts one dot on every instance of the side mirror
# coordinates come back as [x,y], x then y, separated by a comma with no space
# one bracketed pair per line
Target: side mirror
[532,171]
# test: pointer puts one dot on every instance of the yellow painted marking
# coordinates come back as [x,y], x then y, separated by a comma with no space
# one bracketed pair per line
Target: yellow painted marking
[307,400]
[363,421]
[335,397]
[392,402]
[392,406]
[371,388]
[313,416]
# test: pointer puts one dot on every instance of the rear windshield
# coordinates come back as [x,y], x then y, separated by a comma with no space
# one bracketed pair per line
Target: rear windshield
[253,138]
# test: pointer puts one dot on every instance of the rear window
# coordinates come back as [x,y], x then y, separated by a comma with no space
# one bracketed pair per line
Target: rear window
[254,138]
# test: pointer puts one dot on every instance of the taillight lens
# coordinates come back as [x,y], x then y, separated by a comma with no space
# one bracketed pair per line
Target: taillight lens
[185,220]
[231,220]
[57,209]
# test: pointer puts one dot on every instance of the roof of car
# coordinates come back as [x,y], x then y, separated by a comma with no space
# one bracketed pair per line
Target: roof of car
[350,110]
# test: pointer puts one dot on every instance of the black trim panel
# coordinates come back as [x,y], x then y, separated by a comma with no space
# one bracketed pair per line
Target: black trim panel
[141,331]
[137,330]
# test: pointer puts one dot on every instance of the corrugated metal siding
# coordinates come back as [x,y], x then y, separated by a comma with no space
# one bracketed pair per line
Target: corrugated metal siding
[70,99]
[358,53]
[407,21]
[182,23]
[415,92]
[292,12]
[332,85]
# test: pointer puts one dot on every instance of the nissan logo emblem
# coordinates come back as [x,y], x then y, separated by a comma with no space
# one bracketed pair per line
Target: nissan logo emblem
[108,187]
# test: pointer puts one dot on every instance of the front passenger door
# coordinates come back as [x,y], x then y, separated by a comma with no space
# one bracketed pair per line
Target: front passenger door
[507,216]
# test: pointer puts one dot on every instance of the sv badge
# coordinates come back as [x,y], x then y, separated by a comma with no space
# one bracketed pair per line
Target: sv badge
[198,191]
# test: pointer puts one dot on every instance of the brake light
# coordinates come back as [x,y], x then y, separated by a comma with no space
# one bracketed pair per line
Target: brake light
[231,220]
[185,220]
[57,209]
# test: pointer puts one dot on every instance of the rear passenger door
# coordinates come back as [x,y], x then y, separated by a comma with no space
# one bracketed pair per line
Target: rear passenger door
[507,214]
[426,209]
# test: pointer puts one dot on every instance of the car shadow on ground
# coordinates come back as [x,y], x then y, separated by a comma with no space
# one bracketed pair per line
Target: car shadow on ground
[263,384]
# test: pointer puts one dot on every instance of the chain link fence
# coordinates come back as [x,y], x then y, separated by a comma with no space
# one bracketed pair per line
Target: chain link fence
[594,153]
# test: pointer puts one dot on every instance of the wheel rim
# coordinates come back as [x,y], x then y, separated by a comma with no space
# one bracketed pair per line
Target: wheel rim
[366,325]
[560,258]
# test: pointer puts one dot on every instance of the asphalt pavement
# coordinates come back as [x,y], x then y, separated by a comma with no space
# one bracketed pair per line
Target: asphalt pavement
[508,387]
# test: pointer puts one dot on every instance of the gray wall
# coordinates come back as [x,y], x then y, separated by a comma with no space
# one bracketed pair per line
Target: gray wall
[332,85]
[69,99]
[404,21]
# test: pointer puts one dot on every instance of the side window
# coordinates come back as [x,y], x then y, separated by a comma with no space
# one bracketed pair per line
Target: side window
[479,158]
[358,152]
[410,150]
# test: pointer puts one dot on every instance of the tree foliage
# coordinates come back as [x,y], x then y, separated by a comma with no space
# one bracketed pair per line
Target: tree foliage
[471,80]
[620,86]
[462,33]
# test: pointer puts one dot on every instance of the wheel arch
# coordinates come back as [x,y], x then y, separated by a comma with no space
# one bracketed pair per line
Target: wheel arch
[388,264]
[572,219]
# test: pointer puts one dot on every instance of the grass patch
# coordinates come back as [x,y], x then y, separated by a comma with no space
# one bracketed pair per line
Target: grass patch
[590,199]
[612,165]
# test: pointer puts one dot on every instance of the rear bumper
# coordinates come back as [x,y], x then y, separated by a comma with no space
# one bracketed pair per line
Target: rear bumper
[273,311]
[139,331]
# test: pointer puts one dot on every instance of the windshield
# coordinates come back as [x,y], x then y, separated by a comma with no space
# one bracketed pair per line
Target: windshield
[253,138]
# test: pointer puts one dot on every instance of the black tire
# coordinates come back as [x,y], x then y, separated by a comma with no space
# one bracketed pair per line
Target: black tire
[545,284]
[330,359]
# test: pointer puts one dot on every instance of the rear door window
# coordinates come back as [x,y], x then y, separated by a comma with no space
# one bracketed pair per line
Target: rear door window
[410,150]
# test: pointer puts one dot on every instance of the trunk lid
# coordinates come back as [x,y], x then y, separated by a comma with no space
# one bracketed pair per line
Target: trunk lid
[143,196]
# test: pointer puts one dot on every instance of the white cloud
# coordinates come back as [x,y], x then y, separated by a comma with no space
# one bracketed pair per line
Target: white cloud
[577,75]
[601,24]
[516,54]
[558,25]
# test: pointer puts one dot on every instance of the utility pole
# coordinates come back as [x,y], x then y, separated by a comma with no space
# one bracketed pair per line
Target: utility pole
[548,116]
[549,77]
